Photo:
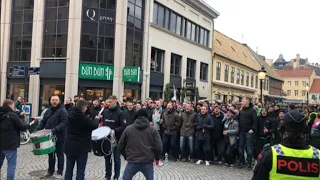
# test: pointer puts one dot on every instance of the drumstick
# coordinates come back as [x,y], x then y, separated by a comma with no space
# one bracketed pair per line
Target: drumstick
[32,122]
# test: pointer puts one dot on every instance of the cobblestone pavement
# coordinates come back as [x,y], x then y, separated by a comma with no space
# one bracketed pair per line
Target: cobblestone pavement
[30,167]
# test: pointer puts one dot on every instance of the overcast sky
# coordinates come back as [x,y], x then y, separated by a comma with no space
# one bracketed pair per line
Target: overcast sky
[274,26]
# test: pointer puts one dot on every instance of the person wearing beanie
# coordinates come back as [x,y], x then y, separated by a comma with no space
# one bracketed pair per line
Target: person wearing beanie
[293,158]
[140,145]
[279,126]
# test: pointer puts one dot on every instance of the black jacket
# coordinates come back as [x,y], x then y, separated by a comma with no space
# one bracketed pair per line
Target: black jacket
[78,137]
[130,116]
[68,107]
[94,111]
[204,126]
[247,119]
[114,118]
[10,127]
[264,122]
[264,161]
[140,143]
[56,120]
[217,132]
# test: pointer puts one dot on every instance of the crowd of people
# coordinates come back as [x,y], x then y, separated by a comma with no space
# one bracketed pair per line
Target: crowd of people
[149,132]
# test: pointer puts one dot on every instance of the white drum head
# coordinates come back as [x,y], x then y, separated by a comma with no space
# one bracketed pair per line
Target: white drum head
[40,133]
[100,133]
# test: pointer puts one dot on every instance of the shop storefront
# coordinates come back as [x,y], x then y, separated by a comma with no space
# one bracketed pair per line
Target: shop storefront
[131,76]
[95,80]
[17,81]
[156,85]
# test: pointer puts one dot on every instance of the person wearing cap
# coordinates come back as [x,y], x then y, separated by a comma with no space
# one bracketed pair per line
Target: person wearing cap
[279,126]
[293,158]
[265,129]
[230,132]
[315,132]
[140,145]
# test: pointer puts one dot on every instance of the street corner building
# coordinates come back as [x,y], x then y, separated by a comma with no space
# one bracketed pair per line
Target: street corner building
[96,48]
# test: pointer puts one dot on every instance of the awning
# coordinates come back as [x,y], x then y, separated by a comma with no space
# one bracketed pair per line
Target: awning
[275,96]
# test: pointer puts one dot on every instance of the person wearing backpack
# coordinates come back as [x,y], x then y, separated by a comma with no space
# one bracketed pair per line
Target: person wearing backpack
[10,127]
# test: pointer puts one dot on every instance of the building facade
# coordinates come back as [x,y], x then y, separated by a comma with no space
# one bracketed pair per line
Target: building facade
[295,83]
[235,71]
[96,48]
[314,93]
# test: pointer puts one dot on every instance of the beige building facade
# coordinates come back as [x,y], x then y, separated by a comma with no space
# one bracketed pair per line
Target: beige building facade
[94,50]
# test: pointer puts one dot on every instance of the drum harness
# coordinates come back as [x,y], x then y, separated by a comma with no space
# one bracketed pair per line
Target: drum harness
[113,144]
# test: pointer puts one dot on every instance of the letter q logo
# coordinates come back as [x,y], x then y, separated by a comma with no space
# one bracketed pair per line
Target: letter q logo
[91,14]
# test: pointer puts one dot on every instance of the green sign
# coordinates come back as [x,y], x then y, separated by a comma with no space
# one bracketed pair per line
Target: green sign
[96,71]
[131,74]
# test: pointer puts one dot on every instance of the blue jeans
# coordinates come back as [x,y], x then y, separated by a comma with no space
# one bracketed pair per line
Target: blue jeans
[170,141]
[11,156]
[52,158]
[133,168]
[245,141]
[81,166]
[189,140]
[117,164]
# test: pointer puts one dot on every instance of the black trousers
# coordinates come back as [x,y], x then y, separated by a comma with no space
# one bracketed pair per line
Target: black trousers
[202,148]
[228,153]
[60,156]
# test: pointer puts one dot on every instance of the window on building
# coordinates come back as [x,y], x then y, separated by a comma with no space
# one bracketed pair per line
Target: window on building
[175,65]
[242,77]
[55,36]
[267,84]
[304,83]
[232,74]
[218,71]
[304,93]
[247,79]
[191,68]
[296,83]
[226,73]
[21,30]
[134,41]
[289,92]
[157,59]
[172,21]
[238,76]
[256,84]
[289,83]
[97,38]
[203,71]
[296,93]
[252,80]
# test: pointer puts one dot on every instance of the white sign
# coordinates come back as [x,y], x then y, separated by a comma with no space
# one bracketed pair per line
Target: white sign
[91,14]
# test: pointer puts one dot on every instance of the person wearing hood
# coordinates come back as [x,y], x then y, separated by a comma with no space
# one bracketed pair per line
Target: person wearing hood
[95,109]
[10,127]
[114,118]
[278,134]
[140,145]
[130,113]
[293,158]
[78,139]
[264,131]
[55,118]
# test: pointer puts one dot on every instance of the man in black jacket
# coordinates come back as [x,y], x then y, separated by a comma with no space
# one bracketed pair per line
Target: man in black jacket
[217,134]
[203,135]
[94,111]
[78,139]
[113,117]
[55,118]
[130,114]
[68,105]
[247,123]
[10,127]
[140,145]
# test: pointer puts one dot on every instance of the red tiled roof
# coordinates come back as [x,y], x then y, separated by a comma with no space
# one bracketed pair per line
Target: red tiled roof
[315,88]
[295,72]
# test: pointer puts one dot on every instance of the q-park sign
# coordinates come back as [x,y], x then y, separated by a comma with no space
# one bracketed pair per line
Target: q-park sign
[92,15]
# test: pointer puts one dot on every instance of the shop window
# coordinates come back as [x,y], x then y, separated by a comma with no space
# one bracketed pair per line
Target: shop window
[49,90]
[17,90]
[131,93]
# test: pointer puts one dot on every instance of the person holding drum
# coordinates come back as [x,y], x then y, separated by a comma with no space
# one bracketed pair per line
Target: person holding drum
[78,139]
[10,127]
[114,118]
[55,118]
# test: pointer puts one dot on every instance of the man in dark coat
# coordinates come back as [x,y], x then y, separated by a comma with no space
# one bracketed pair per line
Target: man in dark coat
[68,105]
[140,145]
[130,114]
[94,111]
[78,139]
[10,127]
[216,134]
[55,118]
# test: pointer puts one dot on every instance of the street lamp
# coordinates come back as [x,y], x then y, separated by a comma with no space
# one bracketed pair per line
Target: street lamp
[262,75]
[307,89]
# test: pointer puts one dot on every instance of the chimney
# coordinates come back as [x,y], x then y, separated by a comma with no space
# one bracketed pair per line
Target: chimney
[307,62]
[298,60]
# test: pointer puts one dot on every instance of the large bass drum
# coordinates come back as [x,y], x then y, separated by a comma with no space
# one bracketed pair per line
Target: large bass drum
[102,141]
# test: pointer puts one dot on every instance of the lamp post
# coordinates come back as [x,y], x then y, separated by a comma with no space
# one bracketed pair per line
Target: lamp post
[262,75]
[307,89]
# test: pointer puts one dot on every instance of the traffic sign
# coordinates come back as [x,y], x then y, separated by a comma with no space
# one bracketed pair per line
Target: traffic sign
[34,71]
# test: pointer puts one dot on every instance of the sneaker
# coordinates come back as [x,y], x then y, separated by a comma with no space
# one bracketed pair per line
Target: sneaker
[232,165]
[226,165]
[220,162]
[46,175]
[184,160]
[199,162]
[192,161]
[249,166]
[57,176]
[177,159]
[207,163]
[240,165]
